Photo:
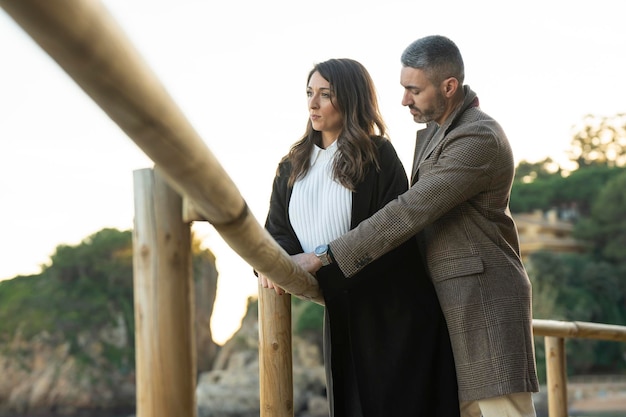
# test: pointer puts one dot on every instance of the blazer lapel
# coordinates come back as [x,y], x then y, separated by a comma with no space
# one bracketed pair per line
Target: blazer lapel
[426,141]
[432,135]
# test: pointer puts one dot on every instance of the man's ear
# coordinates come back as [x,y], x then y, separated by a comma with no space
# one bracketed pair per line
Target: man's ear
[449,86]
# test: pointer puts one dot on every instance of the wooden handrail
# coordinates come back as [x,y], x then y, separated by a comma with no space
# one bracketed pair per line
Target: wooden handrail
[579,329]
[84,39]
[554,332]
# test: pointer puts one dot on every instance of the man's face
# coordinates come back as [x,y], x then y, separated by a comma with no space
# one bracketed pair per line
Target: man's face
[424,100]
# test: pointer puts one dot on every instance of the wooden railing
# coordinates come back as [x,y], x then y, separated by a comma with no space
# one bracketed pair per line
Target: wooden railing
[86,42]
[555,333]
[135,99]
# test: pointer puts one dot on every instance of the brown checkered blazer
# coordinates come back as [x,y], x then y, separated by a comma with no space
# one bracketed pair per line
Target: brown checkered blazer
[457,207]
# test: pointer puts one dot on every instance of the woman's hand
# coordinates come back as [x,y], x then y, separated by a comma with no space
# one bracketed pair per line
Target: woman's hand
[307,261]
[266,283]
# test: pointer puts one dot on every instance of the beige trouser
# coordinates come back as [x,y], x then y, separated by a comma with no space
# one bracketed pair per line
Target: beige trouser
[513,405]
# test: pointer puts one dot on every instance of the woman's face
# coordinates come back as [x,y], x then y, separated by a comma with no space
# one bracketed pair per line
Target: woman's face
[324,115]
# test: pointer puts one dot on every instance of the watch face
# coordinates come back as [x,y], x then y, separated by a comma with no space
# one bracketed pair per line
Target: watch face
[322,249]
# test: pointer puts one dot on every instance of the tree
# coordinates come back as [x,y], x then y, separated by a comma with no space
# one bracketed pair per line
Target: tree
[579,189]
[582,187]
[605,229]
[86,288]
[536,195]
[527,172]
[579,288]
[599,140]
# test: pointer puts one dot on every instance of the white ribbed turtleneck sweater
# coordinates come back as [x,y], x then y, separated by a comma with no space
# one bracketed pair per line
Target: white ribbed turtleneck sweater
[320,208]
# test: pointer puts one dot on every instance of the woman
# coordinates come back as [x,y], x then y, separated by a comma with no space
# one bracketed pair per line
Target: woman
[386,345]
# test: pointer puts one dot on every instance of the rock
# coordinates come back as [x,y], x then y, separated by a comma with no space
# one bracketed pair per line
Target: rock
[231,389]
[85,368]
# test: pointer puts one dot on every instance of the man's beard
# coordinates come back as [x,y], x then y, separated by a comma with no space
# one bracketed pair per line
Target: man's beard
[433,112]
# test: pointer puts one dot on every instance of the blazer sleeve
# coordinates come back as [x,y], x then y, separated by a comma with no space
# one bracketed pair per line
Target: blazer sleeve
[460,171]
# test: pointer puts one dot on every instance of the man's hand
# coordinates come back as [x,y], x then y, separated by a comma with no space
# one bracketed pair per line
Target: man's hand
[266,283]
[307,261]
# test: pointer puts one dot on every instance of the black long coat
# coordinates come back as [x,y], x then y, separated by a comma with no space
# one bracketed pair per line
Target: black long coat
[386,345]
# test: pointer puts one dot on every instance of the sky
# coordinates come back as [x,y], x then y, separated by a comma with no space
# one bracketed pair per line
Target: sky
[238,72]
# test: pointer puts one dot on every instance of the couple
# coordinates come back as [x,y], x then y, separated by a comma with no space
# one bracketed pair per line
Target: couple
[428,305]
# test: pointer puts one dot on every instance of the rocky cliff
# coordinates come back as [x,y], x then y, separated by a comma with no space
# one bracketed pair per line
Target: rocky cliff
[67,340]
[45,375]
[231,388]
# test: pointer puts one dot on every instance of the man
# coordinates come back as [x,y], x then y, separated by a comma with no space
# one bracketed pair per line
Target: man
[457,207]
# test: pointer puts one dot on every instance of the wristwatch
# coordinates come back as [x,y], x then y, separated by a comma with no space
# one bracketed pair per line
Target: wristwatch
[323,254]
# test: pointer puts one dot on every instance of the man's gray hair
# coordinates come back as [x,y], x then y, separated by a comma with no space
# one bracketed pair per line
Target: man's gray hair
[437,56]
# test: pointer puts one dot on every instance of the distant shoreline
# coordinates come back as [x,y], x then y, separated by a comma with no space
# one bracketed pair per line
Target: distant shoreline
[130,412]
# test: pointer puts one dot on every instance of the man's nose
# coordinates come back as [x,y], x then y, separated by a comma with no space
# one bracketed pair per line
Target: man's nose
[407,99]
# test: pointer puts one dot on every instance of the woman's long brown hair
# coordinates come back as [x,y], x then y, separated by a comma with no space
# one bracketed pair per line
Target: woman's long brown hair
[354,96]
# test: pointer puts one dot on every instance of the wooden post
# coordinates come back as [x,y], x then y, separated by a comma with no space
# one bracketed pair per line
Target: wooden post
[84,39]
[164,302]
[556,376]
[275,357]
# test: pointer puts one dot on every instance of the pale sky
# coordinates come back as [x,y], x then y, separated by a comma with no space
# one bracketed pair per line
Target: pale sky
[238,71]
